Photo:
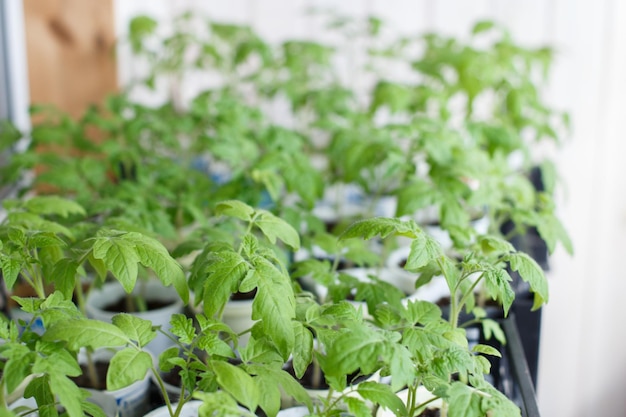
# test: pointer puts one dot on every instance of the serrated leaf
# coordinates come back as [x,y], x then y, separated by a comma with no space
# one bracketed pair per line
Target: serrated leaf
[237,383]
[154,255]
[224,272]
[424,249]
[552,231]
[60,362]
[302,349]
[463,401]
[275,305]
[212,344]
[423,312]
[490,244]
[69,394]
[532,273]
[64,276]
[120,257]
[183,328]
[166,358]
[358,349]
[17,369]
[276,228]
[126,367]
[357,407]
[39,389]
[487,350]
[10,270]
[234,208]
[269,380]
[137,329]
[54,205]
[45,239]
[86,333]
[492,328]
[383,395]
[496,282]
[379,226]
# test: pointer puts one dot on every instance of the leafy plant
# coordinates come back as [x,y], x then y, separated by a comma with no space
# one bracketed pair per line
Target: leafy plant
[247,264]
[432,349]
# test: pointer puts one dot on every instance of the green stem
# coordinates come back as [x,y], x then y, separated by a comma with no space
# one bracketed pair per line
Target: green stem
[161,384]
[92,372]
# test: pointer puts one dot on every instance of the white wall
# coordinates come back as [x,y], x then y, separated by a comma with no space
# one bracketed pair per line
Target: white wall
[583,357]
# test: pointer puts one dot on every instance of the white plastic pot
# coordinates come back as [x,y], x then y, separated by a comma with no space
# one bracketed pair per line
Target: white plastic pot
[299,411]
[434,291]
[190,409]
[389,275]
[319,395]
[99,298]
[130,401]
[238,316]
[423,395]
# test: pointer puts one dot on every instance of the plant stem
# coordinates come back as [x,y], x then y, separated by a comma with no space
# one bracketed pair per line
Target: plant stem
[317,374]
[166,397]
[92,372]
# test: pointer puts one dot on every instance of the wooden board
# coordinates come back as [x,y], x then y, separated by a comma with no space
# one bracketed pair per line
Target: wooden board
[70,52]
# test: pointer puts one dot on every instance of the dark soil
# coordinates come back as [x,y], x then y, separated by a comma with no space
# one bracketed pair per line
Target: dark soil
[243,295]
[429,412]
[307,379]
[84,381]
[128,305]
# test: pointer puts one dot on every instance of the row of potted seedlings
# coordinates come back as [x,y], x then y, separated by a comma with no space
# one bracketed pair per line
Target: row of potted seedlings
[365,329]
[207,202]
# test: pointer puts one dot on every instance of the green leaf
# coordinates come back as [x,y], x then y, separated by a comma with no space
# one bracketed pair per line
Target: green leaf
[490,244]
[212,344]
[492,328]
[86,333]
[401,365]
[303,348]
[276,228]
[422,312]
[10,270]
[154,255]
[380,226]
[224,272]
[383,395]
[237,383]
[39,389]
[183,328]
[126,367]
[487,350]
[532,273]
[70,396]
[552,231]
[17,368]
[269,380]
[496,282]
[463,401]
[357,349]
[424,250]
[59,362]
[482,26]
[137,329]
[357,407]
[274,304]
[54,205]
[64,276]
[234,208]
[120,257]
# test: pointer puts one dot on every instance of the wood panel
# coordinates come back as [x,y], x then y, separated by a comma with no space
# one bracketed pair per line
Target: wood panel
[70,52]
